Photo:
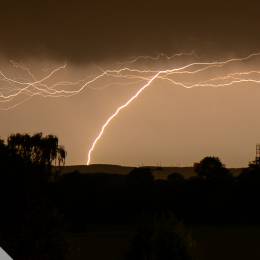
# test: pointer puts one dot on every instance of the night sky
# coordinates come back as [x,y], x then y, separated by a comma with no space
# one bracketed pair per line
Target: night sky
[86,31]
[167,125]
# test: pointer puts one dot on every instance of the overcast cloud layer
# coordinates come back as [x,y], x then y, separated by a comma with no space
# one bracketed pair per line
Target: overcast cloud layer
[85,31]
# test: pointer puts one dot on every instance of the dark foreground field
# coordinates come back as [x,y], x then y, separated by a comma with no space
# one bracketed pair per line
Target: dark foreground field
[210,243]
[112,212]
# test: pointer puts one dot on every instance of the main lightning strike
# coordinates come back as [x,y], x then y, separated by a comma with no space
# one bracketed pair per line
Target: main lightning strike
[158,74]
[116,113]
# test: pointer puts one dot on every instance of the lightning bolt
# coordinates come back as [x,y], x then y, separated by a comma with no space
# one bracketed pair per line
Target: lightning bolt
[158,74]
[27,89]
[158,57]
[116,113]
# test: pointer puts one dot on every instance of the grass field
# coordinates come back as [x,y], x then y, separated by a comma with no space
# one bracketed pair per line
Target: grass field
[211,243]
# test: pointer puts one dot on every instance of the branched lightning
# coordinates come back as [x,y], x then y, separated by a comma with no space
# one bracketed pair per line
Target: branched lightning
[169,72]
[14,92]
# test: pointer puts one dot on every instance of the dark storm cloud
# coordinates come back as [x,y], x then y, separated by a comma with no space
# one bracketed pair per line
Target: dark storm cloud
[85,31]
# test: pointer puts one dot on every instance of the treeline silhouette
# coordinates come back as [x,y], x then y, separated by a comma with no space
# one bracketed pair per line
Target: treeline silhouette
[213,196]
[30,224]
[39,205]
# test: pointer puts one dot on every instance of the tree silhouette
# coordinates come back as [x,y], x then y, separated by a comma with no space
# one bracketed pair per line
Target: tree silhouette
[37,149]
[30,222]
[61,155]
[141,177]
[211,168]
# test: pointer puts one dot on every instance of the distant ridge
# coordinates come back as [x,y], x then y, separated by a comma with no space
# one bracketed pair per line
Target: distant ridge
[97,168]
[159,172]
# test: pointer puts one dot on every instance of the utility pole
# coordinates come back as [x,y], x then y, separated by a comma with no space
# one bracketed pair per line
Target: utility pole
[257,156]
